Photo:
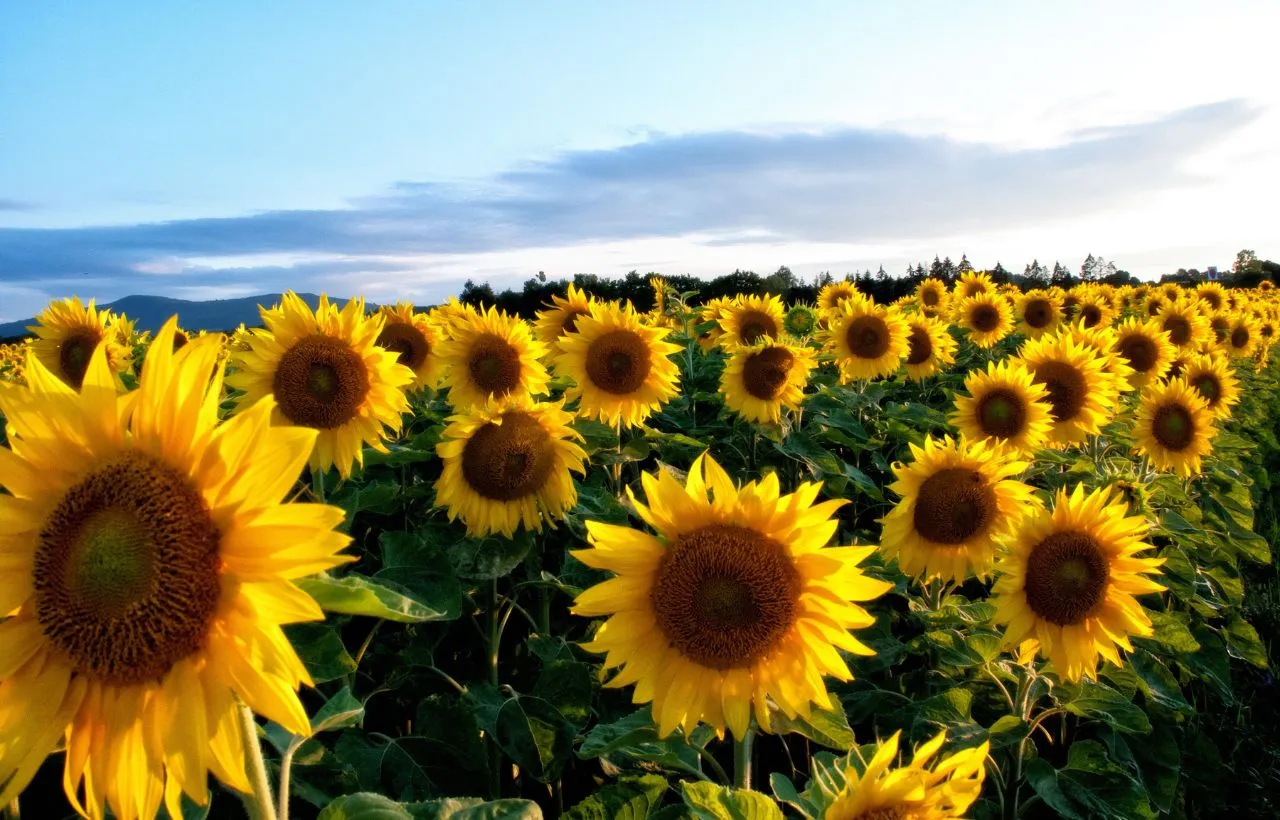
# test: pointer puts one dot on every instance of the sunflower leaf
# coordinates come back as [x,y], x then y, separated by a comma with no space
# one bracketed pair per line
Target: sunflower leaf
[708,801]
[358,595]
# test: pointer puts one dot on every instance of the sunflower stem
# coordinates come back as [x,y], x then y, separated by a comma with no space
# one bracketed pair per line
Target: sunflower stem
[260,801]
[495,638]
[742,759]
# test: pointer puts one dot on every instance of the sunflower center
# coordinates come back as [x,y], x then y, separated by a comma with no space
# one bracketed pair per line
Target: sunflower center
[75,353]
[1239,337]
[1154,307]
[1209,387]
[929,297]
[755,325]
[885,813]
[984,318]
[1179,329]
[1173,427]
[406,341]
[724,595]
[1214,299]
[1037,313]
[954,505]
[1139,351]
[571,317]
[1001,413]
[765,372]
[320,382]
[1066,386]
[494,365]
[508,461]
[1090,315]
[126,571]
[1268,331]
[868,337]
[1175,368]
[919,346]
[619,362]
[1067,577]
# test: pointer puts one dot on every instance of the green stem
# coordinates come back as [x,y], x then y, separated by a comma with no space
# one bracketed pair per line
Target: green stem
[259,802]
[742,759]
[286,769]
[495,638]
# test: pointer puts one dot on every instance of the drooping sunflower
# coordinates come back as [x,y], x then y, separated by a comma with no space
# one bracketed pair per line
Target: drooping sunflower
[737,602]
[1188,329]
[987,316]
[1066,585]
[1242,337]
[869,340]
[562,315]
[413,337]
[67,332]
[1146,348]
[960,500]
[490,355]
[325,371]
[872,790]
[834,294]
[1005,404]
[758,381]
[1038,312]
[148,562]
[1212,377]
[973,283]
[801,321]
[1081,393]
[508,464]
[621,367]
[749,319]
[929,347]
[1174,427]
[931,294]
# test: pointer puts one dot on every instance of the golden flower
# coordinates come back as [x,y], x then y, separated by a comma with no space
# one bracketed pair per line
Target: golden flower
[987,316]
[414,339]
[932,295]
[758,381]
[67,333]
[930,347]
[869,341]
[1174,427]
[1081,394]
[1005,404]
[491,355]
[1094,310]
[1038,312]
[835,294]
[562,315]
[1212,377]
[973,283]
[1188,329]
[1243,335]
[1146,348]
[1212,294]
[750,319]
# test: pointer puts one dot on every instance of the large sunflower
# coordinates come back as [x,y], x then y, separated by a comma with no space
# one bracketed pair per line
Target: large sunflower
[1067,583]
[1006,404]
[1212,377]
[987,317]
[959,501]
[325,371]
[509,464]
[869,340]
[973,283]
[1038,312]
[735,603]
[67,332]
[414,339]
[1081,392]
[1174,427]
[562,315]
[621,367]
[758,381]
[148,560]
[750,319]
[1212,294]
[1145,347]
[930,347]
[491,355]
[1187,327]
[835,294]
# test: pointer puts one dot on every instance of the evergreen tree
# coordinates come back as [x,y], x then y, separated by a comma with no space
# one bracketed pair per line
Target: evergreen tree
[999,275]
[965,265]
[1089,269]
[1061,276]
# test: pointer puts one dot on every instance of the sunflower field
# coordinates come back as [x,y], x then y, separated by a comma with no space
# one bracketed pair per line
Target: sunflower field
[977,553]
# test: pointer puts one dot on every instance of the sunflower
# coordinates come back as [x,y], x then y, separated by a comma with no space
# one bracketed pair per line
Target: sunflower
[1243,335]
[148,561]
[869,341]
[1038,312]
[711,313]
[1174,427]
[562,315]
[1266,285]
[621,367]
[1156,302]
[749,319]
[973,283]
[760,380]
[735,602]
[872,790]
[1188,329]
[508,464]
[1172,291]
[1146,348]
[801,321]
[1220,324]
[930,347]
[931,294]
[1006,404]
[1095,310]
[67,332]
[414,339]
[491,355]
[1067,583]
[325,371]
[834,294]
[1212,294]
[1081,393]
[1213,379]
[448,315]
[960,500]
[987,317]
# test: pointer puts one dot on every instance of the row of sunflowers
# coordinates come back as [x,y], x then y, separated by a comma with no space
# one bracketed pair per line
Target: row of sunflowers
[430,563]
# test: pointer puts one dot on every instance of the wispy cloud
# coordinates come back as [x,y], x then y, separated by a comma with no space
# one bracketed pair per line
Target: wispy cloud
[16,205]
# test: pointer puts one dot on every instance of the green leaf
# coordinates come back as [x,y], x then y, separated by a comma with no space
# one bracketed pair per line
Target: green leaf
[321,651]
[487,558]
[568,686]
[535,735]
[784,791]
[358,595]
[1101,702]
[636,736]
[1044,779]
[1172,631]
[1008,730]
[1157,682]
[711,802]
[470,808]
[364,806]
[1211,663]
[1243,642]
[631,798]
[451,723]
[635,728]
[944,709]
[828,727]
[340,711]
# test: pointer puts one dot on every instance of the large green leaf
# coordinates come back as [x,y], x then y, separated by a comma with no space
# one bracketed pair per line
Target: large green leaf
[321,650]
[631,798]
[828,727]
[470,808]
[358,595]
[535,735]
[340,711]
[1101,702]
[708,801]
[364,806]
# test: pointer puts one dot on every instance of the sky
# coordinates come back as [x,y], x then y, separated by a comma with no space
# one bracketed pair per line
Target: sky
[396,149]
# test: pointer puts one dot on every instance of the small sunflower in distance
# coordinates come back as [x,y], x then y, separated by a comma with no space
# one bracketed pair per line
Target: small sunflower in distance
[758,381]
[1005,404]
[1212,294]
[835,294]
[509,464]
[750,319]
[414,339]
[987,317]
[801,321]
[1188,329]
[149,564]
[960,500]
[736,602]
[1145,347]
[1068,581]
[1212,377]
[1081,394]
[931,294]
[973,283]
[869,341]
[325,371]
[1038,312]
[1174,427]
[1094,311]
[929,347]
[562,315]
[1242,336]
[491,355]
[68,331]
[621,367]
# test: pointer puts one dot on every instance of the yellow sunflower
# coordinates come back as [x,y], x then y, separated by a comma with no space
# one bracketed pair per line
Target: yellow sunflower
[1094,310]
[712,313]
[1174,427]
[833,295]
[67,332]
[1156,303]
[1243,335]
[869,340]
[621,367]
[491,355]
[735,604]
[1172,291]
[1006,404]
[929,347]
[509,464]
[960,500]
[1212,377]
[758,381]
[561,316]
[1146,348]
[1212,294]
[1082,395]
[414,339]
[325,371]
[750,319]
[1038,312]
[1220,325]
[452,312]
[973,283]
[931,294]
[987,317]
[1188,329]
[148,560]
[1066,585]
[919,791]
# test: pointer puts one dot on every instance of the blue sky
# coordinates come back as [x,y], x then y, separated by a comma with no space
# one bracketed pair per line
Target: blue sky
[398,148]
